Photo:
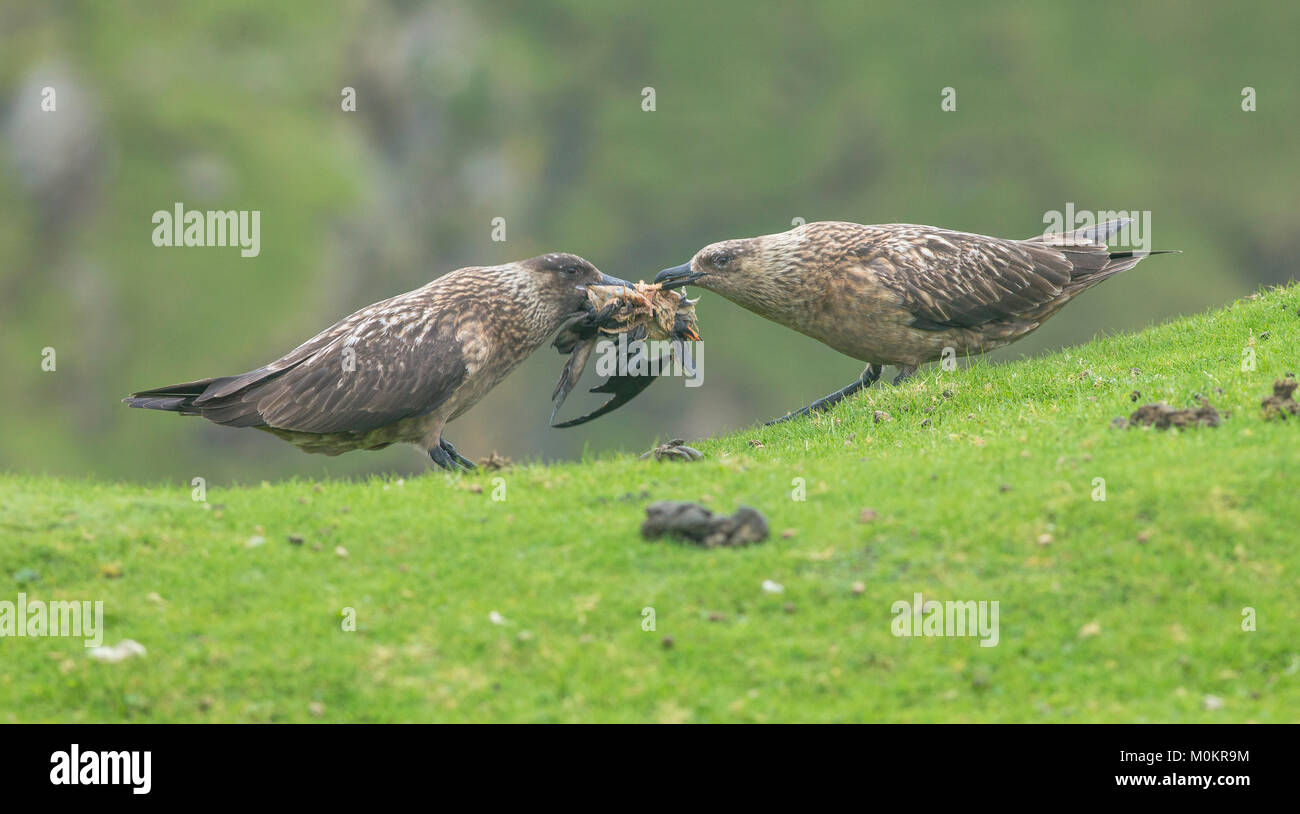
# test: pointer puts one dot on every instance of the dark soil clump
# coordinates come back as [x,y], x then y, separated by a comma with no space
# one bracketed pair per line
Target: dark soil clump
[1282,403]
[1162,416]
[694,523]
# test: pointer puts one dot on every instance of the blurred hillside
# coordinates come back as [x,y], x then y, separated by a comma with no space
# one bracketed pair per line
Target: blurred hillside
[532,112]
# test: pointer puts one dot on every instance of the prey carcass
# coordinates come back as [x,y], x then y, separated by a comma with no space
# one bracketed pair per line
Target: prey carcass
[647,316]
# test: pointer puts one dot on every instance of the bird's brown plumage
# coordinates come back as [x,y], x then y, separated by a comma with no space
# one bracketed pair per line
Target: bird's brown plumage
[903,294]
[400,369]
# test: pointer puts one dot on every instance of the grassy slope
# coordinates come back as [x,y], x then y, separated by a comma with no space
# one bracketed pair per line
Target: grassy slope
[253,634]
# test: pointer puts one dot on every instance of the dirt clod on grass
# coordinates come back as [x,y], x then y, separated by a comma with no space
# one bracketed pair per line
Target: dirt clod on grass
[693,523]
[1161,416]
[674,450]
[1282,402]
[495,462]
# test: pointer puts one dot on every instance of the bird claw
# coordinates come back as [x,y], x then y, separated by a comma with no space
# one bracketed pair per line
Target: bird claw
[446,456]
[905,372]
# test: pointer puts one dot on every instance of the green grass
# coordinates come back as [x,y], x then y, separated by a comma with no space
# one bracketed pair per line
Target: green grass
[1132,611]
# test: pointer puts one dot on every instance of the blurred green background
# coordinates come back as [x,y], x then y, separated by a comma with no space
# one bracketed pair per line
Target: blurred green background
[533,112]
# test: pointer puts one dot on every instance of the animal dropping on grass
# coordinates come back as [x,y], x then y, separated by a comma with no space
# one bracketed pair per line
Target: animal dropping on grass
[1282,402]
[1161,416]
[693,523]
[674,450]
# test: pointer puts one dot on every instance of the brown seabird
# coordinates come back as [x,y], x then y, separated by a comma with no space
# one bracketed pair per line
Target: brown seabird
[399,370]
[901,294]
